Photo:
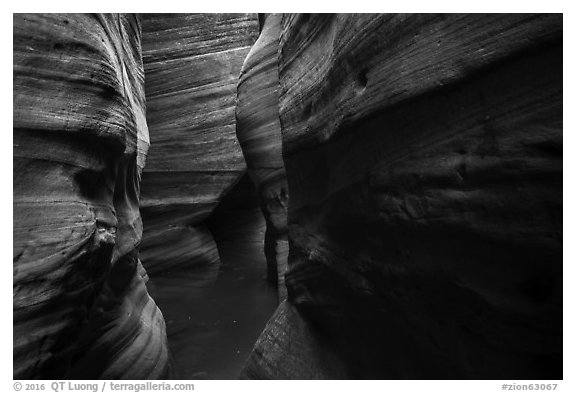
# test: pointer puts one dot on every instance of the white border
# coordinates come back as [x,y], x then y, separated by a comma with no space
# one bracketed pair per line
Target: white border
[300,6]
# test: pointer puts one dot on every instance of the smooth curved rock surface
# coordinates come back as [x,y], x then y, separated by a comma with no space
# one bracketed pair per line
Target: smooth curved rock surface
[258,130]
[424,161]
[192,63]
[80,143]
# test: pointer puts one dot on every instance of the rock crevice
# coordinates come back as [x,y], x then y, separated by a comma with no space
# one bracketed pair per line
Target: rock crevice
[258,130]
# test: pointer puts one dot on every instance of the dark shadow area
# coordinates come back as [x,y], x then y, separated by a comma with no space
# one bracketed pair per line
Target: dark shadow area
[213,324]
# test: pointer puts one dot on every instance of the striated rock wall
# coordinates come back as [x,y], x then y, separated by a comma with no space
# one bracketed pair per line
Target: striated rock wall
[81,308]
[258,130]
[192,63]
[424,160]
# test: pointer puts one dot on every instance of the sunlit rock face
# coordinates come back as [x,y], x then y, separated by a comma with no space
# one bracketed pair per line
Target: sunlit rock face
[424,161]
[192,63]
[81,308]
[258,130]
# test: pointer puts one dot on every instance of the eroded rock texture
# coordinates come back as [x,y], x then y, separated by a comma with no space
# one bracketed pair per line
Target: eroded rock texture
[213,318]
[81,308]
[192,63]
[424,161]
[258,130]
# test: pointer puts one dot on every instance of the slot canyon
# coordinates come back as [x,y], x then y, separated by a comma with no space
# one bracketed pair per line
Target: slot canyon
[287,196]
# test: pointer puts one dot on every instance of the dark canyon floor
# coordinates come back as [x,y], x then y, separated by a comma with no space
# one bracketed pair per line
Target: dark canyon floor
[288,196]
[215,314]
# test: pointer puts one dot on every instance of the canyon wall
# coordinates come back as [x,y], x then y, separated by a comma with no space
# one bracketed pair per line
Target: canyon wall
[423,155]
[192,63]
[81,307]
[258,130]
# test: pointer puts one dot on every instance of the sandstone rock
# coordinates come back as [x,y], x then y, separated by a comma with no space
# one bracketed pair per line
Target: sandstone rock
[423,154]
[214,316]
[80,143]
[309,357]
[258,130]
[192,62]
[424,161]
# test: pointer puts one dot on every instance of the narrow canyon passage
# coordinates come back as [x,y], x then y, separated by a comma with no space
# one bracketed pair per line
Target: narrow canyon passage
[214,314]
[288,196]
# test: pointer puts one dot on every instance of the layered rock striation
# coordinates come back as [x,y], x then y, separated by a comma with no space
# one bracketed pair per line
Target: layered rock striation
[258,130]
[192,63]
[423,154]
[81,308]
[424,160]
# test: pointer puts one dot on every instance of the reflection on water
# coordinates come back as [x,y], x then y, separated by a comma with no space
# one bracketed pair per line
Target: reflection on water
[211,330]
[215,314]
